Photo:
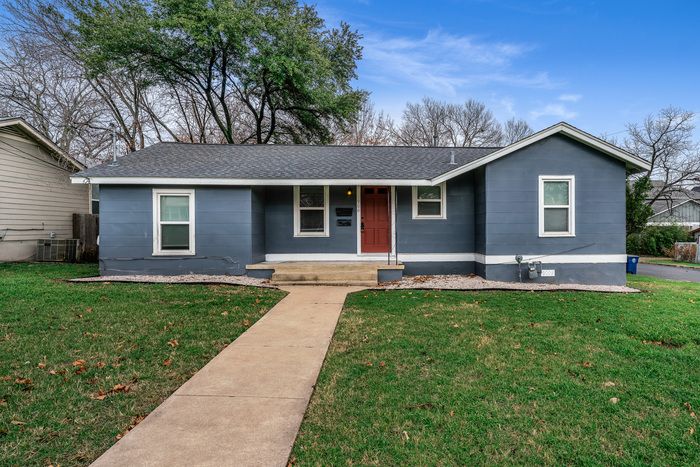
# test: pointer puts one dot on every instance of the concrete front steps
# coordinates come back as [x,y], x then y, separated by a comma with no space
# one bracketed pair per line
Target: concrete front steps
[364,274]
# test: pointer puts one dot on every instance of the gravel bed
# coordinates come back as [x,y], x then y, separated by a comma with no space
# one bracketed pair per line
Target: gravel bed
[472,282]
[183,279]
[448,282]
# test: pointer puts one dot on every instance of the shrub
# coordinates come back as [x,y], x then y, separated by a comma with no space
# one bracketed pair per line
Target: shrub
[656,239]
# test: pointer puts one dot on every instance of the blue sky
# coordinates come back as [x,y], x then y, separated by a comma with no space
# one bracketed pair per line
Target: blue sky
[595,64]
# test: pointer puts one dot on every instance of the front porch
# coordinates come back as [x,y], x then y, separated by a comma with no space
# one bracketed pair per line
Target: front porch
[357,273]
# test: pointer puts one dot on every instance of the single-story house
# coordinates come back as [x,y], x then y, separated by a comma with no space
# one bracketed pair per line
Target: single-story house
[37,198]
[548,208]
[679,210]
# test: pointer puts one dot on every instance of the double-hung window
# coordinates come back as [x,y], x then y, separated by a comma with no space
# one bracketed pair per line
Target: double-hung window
[557,206]
[310,211]
[429,202]
[173,222]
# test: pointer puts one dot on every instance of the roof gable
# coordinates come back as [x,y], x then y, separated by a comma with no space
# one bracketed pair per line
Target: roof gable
[33,134]
[633,163]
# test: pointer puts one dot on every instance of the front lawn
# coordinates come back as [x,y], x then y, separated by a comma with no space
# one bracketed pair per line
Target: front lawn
[81,363]
[516,378]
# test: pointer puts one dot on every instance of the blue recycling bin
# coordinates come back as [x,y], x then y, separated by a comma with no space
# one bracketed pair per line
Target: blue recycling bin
[632,264]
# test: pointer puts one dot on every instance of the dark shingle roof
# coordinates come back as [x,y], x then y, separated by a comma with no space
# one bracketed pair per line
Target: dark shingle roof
[280,162]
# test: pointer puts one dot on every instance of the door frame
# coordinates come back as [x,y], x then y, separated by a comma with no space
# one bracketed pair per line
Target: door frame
[392,217]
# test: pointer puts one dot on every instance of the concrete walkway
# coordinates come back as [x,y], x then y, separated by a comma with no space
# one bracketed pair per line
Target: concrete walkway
[244,408]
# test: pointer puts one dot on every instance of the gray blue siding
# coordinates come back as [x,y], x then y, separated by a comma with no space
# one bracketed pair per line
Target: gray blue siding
[279,221]
[511,210]
[455,234]
[602,273]
[258,225]
[512,197]
[223,232]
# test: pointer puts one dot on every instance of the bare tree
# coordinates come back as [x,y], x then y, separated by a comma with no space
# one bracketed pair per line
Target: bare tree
[666,141]
[45,80]
[473,125]
[369,128]
[515,130]
[470,124]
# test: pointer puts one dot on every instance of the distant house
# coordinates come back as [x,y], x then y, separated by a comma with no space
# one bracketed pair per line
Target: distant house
[36,194]
[548,208]
[681,207]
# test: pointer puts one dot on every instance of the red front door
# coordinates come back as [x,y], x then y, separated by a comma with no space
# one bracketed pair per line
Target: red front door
[375,224]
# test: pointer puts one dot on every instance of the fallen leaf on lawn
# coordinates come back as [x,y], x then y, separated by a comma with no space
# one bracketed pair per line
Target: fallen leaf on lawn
[80,370]
[166,362]
[173,343]
[5,378]
[78,362]
[692,430]
[608,384]
[452,412]
[17,422]
[246,323]
[405,435]
[225,313]
[456,325]
[257,300]
[690,409]
[89,310]
[3,401]
[382,364]
[369,364]
[517,346]
[100,364]
[614,400]
[587,365]
[42,365]
[23,381]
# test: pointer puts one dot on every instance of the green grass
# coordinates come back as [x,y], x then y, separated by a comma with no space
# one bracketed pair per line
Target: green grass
[671,261]
[514,378]
[62,343]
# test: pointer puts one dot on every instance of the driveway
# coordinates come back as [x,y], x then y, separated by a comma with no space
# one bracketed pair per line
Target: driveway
[672,273]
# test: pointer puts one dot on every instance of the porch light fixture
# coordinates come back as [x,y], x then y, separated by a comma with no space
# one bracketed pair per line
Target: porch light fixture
[349,191]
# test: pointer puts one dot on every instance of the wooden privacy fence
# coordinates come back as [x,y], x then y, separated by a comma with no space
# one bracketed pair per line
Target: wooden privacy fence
[686,251]
[86,228]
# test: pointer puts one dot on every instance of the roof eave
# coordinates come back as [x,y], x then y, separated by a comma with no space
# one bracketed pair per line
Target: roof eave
[42,140]
[77,178]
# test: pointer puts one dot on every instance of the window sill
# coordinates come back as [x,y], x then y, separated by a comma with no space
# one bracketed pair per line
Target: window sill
[174,253]
[552,235]
[310,235]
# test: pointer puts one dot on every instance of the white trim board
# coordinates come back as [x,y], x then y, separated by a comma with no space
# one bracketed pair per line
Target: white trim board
[245,181]
[490,260]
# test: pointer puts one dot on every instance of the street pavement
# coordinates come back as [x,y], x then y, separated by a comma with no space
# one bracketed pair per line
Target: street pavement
[672,273]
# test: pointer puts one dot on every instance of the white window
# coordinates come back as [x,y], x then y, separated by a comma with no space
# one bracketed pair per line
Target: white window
[429,202]
[557,206]
[310,211]
[173,222]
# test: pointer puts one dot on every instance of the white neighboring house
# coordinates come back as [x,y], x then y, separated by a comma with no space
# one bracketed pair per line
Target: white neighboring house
[36,195]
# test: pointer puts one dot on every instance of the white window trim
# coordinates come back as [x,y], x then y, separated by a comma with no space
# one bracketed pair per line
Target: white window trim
[157,246]
[297,215]
[442,201]
[571,206]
